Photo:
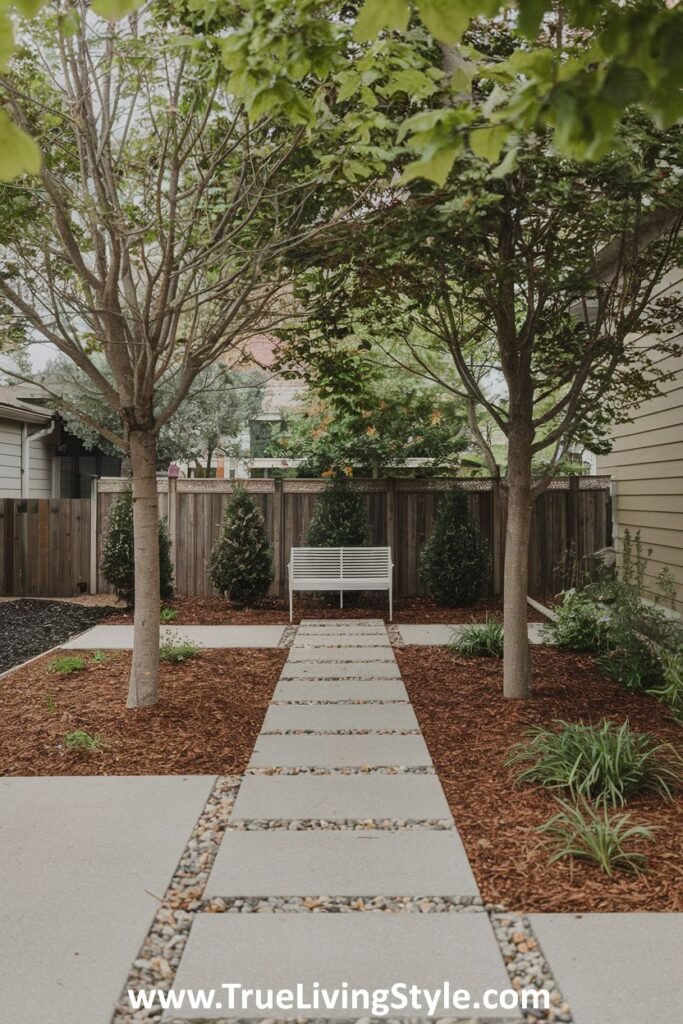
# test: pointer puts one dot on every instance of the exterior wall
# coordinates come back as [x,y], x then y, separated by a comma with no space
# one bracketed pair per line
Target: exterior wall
[10,458]
[40,463]
[646,466]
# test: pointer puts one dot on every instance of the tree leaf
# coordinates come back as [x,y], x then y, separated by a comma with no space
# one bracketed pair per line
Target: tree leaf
[530,16]
[376,15]
[6,40]
[112,10]
[488,141]
[19,154]
[435,167]
[507,166]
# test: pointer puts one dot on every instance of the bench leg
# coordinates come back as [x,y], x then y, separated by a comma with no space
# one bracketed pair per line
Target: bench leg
[290,604]
[341,598]
[391,605]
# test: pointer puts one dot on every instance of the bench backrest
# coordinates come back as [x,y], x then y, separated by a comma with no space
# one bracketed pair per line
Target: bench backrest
[340,563]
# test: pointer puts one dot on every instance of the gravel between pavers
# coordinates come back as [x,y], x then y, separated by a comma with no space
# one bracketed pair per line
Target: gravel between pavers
[29,627]
[420,769]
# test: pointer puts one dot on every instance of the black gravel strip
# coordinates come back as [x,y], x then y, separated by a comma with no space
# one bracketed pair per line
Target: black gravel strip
[30,627]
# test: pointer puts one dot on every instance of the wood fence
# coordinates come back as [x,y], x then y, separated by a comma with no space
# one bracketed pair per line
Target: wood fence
[50,548]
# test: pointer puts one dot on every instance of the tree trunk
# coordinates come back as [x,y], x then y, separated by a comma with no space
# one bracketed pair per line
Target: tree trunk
[144,675]
[516,659]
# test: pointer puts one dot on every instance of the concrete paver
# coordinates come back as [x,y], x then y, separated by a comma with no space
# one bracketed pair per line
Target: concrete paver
[331,717]
[342,863]
[367,951]
[340,690]
[121,637]
[327,653]
[615,968]
[336,797]
[341,670]
[82,862]
[438,634]
[350,751]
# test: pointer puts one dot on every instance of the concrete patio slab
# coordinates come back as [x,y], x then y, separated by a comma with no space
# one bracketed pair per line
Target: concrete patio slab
[420,862]
[321,640]
[82,862]
[615,968]
[341,670]
[340,689]
[325,654]
[372,750]
[330,624]
[331,717]
[367,951]
[336,797]
[438,634]
[121,637]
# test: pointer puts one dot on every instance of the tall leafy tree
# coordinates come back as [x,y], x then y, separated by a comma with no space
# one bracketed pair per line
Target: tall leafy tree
[506,277]
[161,218]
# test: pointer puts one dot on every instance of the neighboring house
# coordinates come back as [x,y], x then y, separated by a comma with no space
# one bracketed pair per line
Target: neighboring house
[646,466]
[28,468]
[38,456]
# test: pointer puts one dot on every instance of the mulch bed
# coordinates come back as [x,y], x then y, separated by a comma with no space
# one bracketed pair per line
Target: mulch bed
[210,710]
[214,611]
[469,728]
[29,627]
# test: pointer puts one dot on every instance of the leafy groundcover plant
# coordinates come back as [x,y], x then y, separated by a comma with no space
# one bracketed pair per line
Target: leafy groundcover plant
[605,763]
[479,639]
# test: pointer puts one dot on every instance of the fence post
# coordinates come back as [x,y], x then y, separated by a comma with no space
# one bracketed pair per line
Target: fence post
[173,520]
[573,520]
[391,513]
[277,514]
[93,534]
[497,535]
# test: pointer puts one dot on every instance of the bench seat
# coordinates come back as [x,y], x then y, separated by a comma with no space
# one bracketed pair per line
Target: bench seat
[340,569]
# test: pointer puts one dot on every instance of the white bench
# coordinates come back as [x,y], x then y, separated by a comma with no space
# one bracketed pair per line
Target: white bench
[341,569]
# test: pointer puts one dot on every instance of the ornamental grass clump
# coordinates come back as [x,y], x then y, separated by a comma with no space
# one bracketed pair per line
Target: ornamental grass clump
[604,763]
[606,838]
[241,566]
[479,639]
[455,562]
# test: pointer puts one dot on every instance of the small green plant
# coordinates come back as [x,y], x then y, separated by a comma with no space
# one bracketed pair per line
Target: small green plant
[605,763]
[455,561]
[82,740]
[241,562]
[177,652]
[99,657]
[50,704]
[479,639]
[118,566]
[670,692]
[168,615]
[340,517]
[607,838]
[581,623]
[66,664]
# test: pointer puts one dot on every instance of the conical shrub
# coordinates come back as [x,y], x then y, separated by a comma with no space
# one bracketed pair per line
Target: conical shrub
[118,558]
[241,563]
[455,561]
[339,518]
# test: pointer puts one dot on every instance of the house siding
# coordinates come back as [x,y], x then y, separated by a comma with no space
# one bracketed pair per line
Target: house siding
[646,466]
[40,463]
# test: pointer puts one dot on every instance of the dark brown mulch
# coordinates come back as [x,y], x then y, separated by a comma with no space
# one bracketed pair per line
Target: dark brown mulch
[29,627]
[210,711]
[469,728]
[214,611]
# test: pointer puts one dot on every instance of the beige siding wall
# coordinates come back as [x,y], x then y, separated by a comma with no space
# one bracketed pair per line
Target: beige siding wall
[40,463]
[10,459]
[646,466]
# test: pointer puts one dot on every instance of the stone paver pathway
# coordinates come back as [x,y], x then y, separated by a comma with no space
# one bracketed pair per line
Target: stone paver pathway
[341,812]
[120,638]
